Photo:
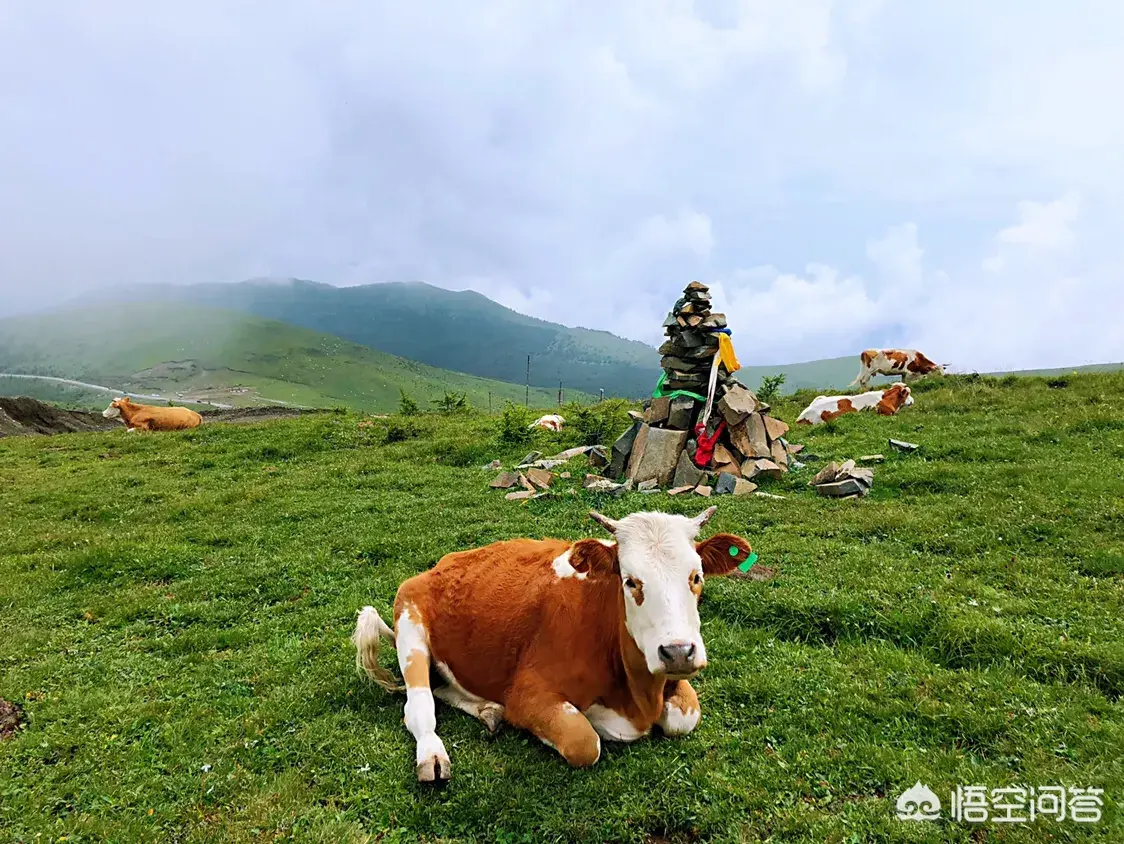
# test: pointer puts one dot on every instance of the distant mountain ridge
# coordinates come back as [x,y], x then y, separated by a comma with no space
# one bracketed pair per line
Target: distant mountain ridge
[462,331]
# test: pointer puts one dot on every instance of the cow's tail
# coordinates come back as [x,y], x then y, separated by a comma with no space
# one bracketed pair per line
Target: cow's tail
[369,629]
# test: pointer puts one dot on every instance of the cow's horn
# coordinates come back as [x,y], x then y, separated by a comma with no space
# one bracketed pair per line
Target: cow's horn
[604,521]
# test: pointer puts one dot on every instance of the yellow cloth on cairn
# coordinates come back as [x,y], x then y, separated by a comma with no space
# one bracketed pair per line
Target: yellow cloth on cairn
[726,354]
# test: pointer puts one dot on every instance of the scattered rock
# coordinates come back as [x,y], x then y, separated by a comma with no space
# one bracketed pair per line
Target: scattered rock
[872,458]
[744,487]
[842,480]
[901,445]
[678,490]
[793,448]
[505,480]
[725,484]
[722,455]
[540,478]
[11,719]
[636,416]
[762,466]
[598,457]
[530,459]
[565,475]
[495,465]
[526,484]
[522,495]
[760,494]
[780,456]
[703,490]
[644,486]
[623,488]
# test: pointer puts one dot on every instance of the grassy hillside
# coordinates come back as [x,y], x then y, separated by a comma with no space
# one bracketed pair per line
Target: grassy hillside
[168,348]
[188,632]
[460,331]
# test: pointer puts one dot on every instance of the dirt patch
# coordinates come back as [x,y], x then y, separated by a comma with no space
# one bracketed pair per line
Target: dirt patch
[30,416]
[20,416]
[11,718]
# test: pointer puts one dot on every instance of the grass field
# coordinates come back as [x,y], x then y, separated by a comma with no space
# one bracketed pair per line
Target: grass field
[175,616]
[166,348]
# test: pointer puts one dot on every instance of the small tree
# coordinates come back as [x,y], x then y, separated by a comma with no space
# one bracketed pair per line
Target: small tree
[406,405]
[515,424]
[770,387]
[452,402]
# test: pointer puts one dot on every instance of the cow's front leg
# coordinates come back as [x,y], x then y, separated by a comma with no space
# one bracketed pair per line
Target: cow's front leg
[412,642]
[556,721]
[681,712]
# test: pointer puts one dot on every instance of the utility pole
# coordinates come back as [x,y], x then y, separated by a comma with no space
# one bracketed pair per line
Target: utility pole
[602,395]
[527,400]
[489,402]
[559,393]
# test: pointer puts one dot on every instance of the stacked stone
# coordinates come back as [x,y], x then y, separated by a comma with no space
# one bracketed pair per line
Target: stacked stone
[691,344]
[660,445]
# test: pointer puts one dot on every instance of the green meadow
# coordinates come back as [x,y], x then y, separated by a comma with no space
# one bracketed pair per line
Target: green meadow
[175,612]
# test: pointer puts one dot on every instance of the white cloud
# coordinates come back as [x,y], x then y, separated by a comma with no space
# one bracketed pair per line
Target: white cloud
[582,161]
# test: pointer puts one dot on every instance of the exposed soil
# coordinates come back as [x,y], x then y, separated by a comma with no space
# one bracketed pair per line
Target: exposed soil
[30,416]
[10,718]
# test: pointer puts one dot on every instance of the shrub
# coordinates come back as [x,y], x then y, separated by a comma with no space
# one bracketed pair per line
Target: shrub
[397,432]
[770,387]
[514,424]
[452,402]
[406,405]
[596,424]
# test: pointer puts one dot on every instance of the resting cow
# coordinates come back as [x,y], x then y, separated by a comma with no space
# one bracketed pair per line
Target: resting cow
[886,402]
[149,418]
[574,641]
[552,422]
[910,364]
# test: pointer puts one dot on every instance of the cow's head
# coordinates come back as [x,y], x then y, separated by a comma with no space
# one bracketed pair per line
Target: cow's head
[894,398]
[661,569]
[114,409]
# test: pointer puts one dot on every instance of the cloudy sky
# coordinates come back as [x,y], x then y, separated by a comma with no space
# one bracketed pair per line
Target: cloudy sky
[844,173]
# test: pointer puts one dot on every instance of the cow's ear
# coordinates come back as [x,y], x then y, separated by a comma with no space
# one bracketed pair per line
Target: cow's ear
[594,558]
[723,553]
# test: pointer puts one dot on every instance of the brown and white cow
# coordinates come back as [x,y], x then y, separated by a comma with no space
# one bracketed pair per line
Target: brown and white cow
[148,418]
[885,403]
[573,641]
[910,364]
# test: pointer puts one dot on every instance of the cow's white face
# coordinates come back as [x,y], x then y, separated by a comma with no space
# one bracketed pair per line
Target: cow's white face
[661,574]
[112,412]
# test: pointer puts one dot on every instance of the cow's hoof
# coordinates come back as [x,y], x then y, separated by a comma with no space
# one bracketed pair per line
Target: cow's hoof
[435,768]
[492,716]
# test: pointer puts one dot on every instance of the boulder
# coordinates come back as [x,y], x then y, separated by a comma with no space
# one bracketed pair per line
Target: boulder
[749,437]
[725,484]
[680,412]
[775,428]
[655,454]
[659,410]
[737,404]
[687,473]
[621,450]
[780,456]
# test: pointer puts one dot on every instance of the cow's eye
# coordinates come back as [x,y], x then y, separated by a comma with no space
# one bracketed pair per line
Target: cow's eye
[630,583]
[697,579]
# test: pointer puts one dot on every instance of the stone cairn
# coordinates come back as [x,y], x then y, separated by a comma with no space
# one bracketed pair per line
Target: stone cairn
[661,449]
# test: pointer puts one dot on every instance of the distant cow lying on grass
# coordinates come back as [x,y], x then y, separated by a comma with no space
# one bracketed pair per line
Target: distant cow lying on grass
[910,364]
[574,641]
[552,422]
[886,402]
[149,418]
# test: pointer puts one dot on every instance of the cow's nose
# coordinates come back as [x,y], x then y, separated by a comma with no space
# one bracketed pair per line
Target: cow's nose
[678,657]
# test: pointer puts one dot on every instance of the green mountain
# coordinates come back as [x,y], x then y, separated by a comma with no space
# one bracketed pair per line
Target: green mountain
[228,357]
[460,331]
